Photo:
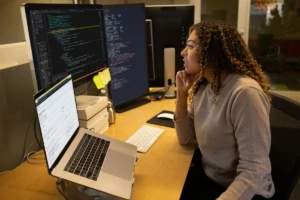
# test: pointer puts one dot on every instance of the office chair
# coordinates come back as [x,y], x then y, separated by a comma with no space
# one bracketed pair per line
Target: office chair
[285,146]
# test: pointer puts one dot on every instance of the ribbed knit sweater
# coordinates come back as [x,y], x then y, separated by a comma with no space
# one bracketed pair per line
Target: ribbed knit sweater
[233,133]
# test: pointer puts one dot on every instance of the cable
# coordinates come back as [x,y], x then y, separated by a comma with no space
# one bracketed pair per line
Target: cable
[168,89]
[58,183]
[155,96]
[36,134]
[29,148]
[26,135]
[3,172]
[27,155]
[34,160]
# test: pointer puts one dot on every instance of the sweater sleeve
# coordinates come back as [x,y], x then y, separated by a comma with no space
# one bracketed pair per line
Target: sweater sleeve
[250,118]
[185,127]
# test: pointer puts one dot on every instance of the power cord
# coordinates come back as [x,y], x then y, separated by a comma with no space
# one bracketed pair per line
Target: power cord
[34,159]
[58,183]
[27,156]
[35,134]
[26,136]
[170,84]
[155,96]
[4,172]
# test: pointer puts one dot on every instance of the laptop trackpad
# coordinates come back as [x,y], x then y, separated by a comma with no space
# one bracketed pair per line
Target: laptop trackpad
[118,164]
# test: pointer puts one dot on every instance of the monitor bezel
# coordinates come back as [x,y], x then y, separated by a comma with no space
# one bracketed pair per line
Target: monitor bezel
[39,94]
[146,56]
[28,7]
[159,81]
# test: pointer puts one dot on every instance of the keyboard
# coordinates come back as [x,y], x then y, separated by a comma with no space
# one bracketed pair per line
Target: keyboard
[145,137]
[88,157]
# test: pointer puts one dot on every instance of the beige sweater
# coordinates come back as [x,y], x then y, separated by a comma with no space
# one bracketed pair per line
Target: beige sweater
[233,135]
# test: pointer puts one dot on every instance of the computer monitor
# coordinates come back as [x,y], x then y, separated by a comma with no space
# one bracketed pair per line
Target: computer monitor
[169,25]
[127,55]
[64,39]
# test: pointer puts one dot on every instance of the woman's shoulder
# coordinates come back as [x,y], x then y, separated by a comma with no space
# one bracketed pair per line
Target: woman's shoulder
[240,82]
[243,87]
[248,89]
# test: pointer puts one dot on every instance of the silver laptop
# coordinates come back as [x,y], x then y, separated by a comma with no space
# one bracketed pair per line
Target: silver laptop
[77,154]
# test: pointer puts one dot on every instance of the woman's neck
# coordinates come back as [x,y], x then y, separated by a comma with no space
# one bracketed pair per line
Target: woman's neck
[208,75]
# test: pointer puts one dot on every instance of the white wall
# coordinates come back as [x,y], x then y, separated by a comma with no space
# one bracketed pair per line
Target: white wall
[207,6]
[181,1]
[12,55]
[147,2]
[16,116]
[11,22]
[109,2]
[152,2]
[3,107]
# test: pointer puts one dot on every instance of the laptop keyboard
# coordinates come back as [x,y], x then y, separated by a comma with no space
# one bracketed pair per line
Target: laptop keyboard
[88,158]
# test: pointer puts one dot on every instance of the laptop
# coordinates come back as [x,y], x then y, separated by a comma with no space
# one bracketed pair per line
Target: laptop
[77,154]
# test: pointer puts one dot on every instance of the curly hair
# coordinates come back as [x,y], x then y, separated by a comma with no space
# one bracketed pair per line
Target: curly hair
[222,48]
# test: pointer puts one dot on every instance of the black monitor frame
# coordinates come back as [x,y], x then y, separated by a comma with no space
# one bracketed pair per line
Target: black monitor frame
[25,11]
[137,100]
[166,20]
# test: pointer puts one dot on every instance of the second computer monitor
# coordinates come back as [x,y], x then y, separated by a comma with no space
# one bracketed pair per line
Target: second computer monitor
[167,27]
[127,56]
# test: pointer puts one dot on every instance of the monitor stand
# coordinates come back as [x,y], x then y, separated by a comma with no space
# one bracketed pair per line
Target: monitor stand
[132,104]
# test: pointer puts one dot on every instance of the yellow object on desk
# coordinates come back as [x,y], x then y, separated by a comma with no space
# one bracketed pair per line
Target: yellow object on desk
[98,82]
[105,76]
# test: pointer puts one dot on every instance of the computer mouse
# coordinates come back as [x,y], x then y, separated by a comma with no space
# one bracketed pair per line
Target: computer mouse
[165,116]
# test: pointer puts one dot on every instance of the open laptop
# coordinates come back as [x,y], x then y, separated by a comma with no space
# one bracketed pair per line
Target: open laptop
[77,154]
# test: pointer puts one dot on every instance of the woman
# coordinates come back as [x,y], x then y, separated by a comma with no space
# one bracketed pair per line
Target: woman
[228,115]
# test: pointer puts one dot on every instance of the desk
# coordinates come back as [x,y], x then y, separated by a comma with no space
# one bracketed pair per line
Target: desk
[159,174]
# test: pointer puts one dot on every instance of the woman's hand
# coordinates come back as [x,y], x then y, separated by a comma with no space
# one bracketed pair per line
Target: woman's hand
[185,81]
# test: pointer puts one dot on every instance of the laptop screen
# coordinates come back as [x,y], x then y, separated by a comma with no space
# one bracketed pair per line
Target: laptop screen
[57,114]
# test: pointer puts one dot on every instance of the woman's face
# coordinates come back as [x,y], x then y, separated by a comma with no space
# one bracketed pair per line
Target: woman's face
[189,55]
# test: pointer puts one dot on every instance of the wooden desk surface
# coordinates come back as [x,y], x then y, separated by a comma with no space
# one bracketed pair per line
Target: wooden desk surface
[159,174]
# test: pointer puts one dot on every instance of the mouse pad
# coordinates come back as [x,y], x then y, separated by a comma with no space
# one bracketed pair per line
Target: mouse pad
[162,122]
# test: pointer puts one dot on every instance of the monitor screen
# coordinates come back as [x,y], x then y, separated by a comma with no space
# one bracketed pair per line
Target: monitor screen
[127,54]
[58,118]
[169,26]
[64,39]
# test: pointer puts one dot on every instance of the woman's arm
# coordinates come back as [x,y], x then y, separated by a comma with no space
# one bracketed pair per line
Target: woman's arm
[183,119]
[181,106]
[184,123]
